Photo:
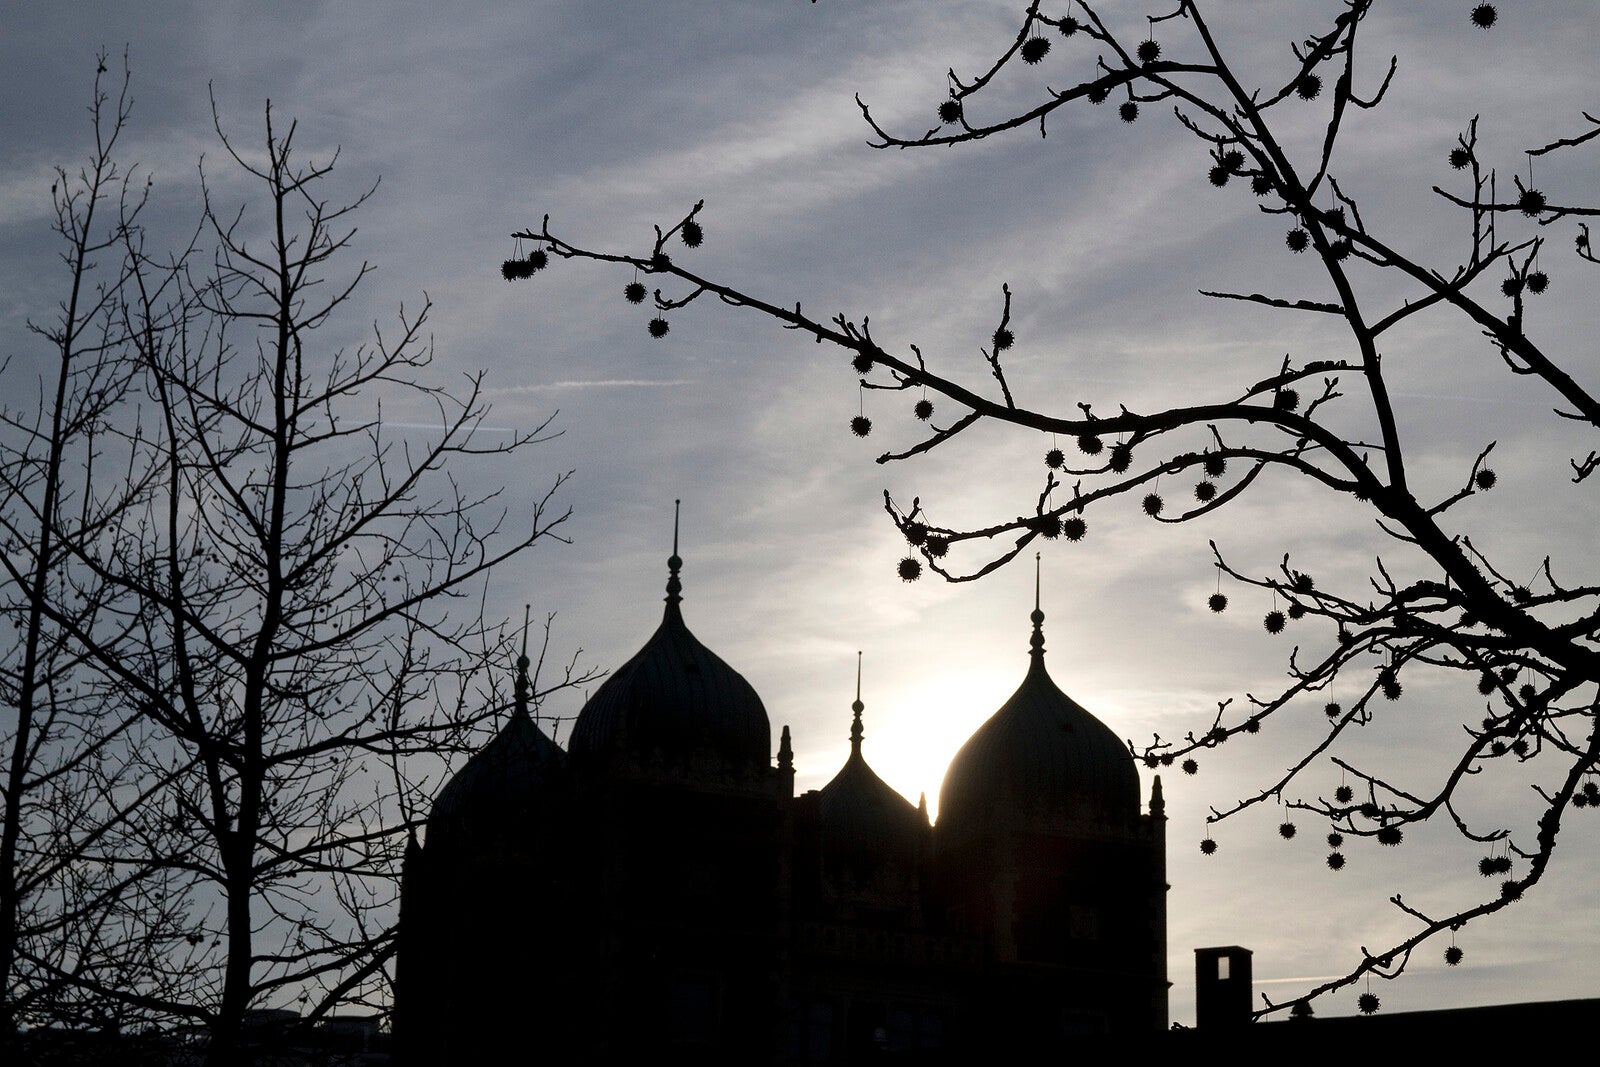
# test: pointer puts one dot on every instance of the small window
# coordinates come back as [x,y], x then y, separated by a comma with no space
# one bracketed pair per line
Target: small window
[1222,968]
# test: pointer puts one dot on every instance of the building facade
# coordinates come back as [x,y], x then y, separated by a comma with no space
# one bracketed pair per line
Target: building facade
[658,887]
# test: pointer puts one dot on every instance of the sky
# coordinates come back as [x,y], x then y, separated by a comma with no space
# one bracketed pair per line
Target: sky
[482,118]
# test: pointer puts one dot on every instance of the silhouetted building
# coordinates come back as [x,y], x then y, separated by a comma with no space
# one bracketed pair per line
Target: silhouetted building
[658,886]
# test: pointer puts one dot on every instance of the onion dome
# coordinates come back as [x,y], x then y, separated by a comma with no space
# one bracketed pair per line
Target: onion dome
[506,779]
[1041,757]
[676,705]
[864,822]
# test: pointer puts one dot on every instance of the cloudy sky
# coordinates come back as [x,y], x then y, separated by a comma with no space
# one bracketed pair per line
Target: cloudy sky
[482,118]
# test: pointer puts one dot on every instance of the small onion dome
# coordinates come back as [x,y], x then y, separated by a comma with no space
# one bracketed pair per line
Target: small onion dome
[676,703]
[1040,756]
[864,822]
[502,784]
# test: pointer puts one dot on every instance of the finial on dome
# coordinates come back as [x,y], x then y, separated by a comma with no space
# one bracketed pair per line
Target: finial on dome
[856,732]
[674,562]
[524,688]
[1036,642]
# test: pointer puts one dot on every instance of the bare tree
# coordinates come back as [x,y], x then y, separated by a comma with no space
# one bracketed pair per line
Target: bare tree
[296,593]
[1526,648]
[72,781]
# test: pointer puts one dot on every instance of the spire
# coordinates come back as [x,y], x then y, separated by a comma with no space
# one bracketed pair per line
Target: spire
[857,707]
[674,586]
[524,689]
[786,752]
[1158,803]
[1036,642]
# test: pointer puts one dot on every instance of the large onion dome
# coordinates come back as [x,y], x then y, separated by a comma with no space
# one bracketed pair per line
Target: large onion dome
[676,705]
[1040,758]
[505,781]
[863,822]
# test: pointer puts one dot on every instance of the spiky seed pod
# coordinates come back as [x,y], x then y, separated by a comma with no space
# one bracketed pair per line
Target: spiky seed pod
[1502,864]
[1390,836]
[861,426]
[1286,831]
[916,532]
[1208,846]
[910,569]
[1148,51]
[1510,889]
[1068,26]
[937,547]
[923,409]
[660,261]
[1369,810]
[950,111]
[1389,684]
[861,362]
[1190,766]
[1591,790]
[1273,622]
[1579,800]
[1217,602]
[1090,445]
[1166,759]
[1521,594]
[1486,867]
[1286,399]
[1538,282]
[1153,504]
[1004,339]
[635,292]
[658,327]
[1303,582]
[1346,637]
[1261,185]
[1340,249]
[1205,492]
[1035,49]
[538,259]
[1128,111]
[1099,94]
[1459,158]
[1335,861]
[1486,683]
[1520,746]
[1453,954]
[511,269]
[1151,760]
[1484,16]
[1332,710]
[1252,726]
[1511,286]
[692,234]
[1297,239]
[1498,748]
[1218,175]
[1308,86]
[1233,159]
[1055,459]
[1049,526]
[1121,458]
[1531,202]
[1344,795]
[1526,692]
[1335,839]
[1216,464]
[1074,528]
[1297,610]
[1368,1003]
